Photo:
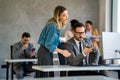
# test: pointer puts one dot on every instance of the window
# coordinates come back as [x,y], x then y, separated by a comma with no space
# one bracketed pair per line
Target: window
[116,15]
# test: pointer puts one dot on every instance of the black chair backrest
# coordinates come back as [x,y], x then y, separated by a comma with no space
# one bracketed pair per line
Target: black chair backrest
[12,71]
[11,51]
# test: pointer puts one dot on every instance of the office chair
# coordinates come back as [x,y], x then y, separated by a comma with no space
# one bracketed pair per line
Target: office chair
[12,71]
[62,60]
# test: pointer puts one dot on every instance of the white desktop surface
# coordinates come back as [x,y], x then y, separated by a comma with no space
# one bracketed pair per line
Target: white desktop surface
[49,68]
[24,60]
[19,60]
[77,78]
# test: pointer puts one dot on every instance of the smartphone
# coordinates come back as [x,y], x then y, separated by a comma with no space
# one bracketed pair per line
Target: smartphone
[87,46]
[90,47]
[33,49]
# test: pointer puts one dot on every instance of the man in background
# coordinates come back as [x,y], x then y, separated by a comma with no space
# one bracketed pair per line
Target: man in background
[22,50]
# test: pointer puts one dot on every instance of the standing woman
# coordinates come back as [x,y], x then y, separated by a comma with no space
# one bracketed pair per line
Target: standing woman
[49,39]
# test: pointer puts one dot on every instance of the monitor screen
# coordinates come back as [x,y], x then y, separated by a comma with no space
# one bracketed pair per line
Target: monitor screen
[111,45]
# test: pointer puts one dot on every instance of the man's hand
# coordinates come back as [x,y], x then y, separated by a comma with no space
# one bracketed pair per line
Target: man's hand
[32,53]
[25,46]
[87,50]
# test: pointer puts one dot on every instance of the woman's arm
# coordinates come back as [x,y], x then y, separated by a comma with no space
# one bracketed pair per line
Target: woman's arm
[63,52]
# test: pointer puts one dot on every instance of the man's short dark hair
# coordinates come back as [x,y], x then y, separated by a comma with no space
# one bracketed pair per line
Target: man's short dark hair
[26,34]
[73,22]
[78,25]
[90,22]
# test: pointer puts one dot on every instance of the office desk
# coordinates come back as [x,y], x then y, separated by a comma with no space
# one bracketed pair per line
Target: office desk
[78,78]
[20,60]
[53,68]
[73,68]
[11,61]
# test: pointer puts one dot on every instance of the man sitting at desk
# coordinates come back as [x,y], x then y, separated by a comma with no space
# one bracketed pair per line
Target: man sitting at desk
[80,49]
[21,50]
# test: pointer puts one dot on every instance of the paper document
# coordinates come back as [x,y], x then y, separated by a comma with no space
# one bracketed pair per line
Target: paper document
[94,37]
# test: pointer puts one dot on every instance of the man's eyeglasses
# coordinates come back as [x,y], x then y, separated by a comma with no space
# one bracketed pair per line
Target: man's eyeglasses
[79,33]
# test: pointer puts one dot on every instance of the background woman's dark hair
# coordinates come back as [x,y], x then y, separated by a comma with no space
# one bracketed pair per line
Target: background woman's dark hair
[90,22]
[73,22]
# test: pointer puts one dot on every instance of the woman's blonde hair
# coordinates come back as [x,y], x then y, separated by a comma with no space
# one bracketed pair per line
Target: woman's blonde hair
[57,12]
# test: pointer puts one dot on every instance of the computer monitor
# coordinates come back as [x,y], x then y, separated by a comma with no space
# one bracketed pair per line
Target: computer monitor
[111,45]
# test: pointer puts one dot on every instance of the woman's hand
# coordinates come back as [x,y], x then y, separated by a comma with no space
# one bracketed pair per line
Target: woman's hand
[96,40]
[66,53]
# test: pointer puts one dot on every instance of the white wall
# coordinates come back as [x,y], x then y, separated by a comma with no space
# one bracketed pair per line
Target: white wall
[17,16]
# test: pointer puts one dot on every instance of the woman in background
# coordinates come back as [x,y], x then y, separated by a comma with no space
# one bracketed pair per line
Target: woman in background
[91,31]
